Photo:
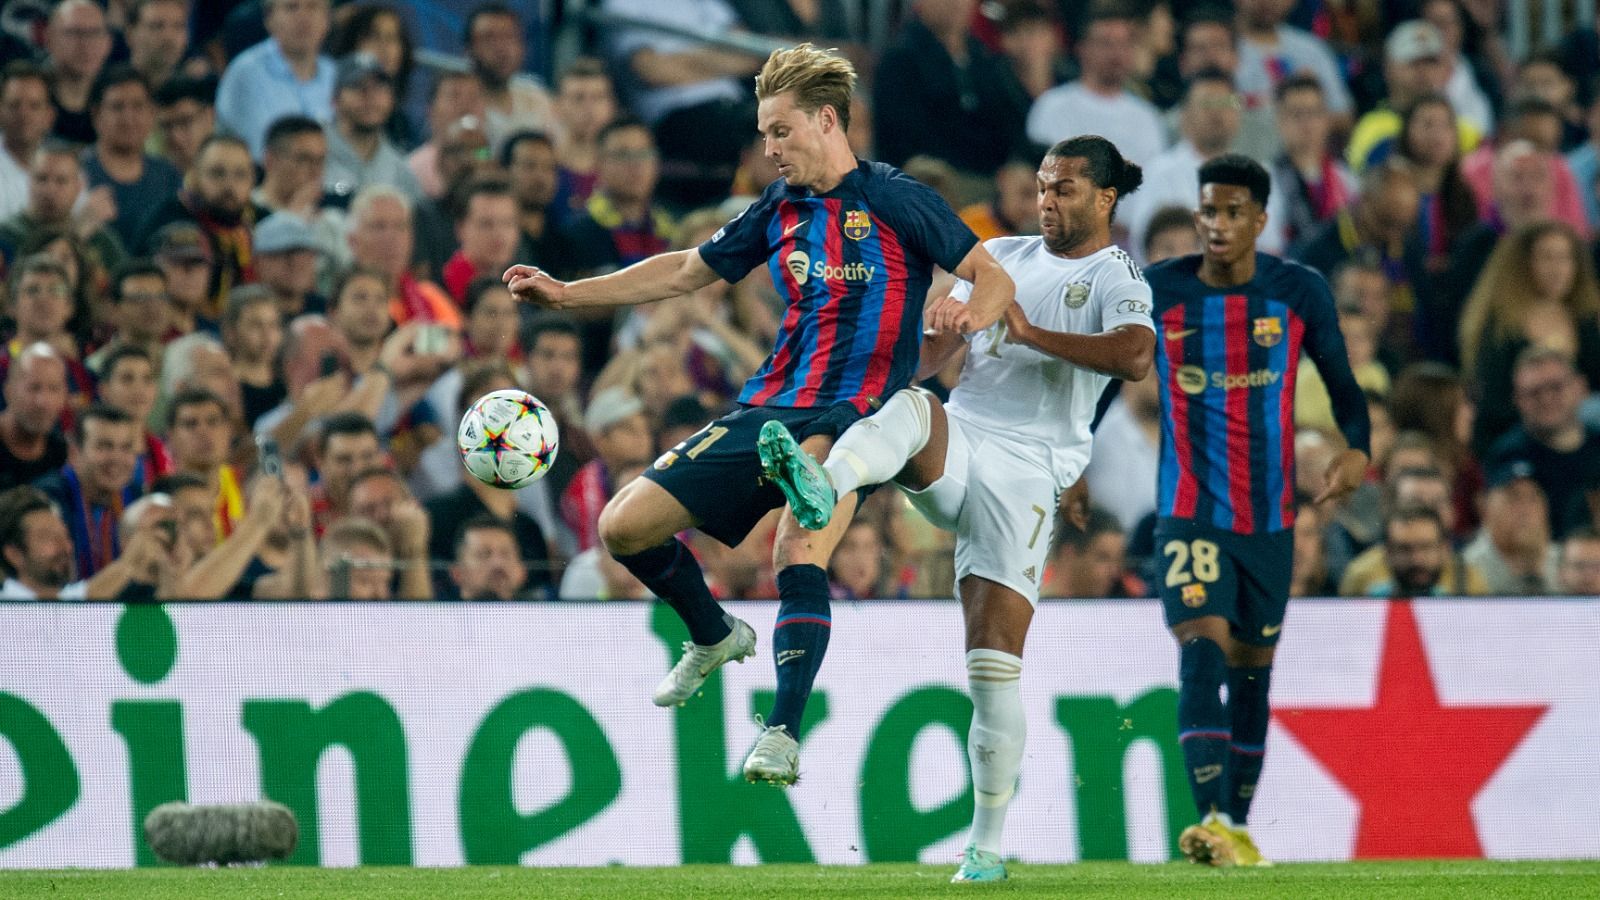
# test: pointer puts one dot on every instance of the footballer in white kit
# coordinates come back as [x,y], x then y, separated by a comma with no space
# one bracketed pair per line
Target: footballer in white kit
[1018,420]
[991,463]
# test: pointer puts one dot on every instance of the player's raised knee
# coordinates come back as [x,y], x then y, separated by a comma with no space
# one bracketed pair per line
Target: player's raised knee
[641,515]
[622,529]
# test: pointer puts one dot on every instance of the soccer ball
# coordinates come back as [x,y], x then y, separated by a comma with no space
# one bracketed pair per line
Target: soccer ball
[508,439]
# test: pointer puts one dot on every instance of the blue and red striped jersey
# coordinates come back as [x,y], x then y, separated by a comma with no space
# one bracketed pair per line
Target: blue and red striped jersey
[1226,362]
[853,266]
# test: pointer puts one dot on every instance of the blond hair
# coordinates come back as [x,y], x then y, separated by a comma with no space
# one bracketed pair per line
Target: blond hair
[815,77]
[1498,305]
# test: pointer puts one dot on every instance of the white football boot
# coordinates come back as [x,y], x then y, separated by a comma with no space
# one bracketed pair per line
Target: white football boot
[697,663]
[775,758]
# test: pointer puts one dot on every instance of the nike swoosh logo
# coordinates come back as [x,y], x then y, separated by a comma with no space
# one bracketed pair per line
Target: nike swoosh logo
[1270,630]
[791,229]
[1180,335]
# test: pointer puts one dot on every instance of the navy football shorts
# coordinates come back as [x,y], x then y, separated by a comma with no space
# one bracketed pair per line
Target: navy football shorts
[1208,571]
[716,473]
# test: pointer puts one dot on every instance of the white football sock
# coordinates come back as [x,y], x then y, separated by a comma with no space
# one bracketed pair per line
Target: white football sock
[876,448]
[994,745]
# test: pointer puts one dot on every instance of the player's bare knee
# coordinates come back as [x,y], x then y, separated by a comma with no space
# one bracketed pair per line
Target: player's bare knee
[620,529]
[613,533]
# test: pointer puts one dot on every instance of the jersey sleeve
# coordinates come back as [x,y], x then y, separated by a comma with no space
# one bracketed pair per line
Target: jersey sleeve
[1324,342]
[1125,297]
[740,245]
[925,222]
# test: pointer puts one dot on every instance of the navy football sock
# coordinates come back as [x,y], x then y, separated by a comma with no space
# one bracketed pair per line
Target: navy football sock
[1247,704]
[1203,730]
[671,573]
[799,641]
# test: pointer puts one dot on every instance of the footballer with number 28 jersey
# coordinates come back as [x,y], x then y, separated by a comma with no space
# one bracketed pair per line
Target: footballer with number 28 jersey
[1231,325]
[1227,374]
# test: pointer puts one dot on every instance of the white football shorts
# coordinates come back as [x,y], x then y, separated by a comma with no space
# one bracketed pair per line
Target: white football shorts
[999,497]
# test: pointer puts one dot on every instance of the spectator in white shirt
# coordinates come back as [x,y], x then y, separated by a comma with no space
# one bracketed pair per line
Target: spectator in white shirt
[1270,51]
[1513,548]
[1122,473]
[1207,40]
[26,116]
[595,575]
[1466,95]
[497,48]
[1208,123]
[1098,102]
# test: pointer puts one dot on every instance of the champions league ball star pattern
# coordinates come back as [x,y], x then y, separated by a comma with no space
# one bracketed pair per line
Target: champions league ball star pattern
[508,439]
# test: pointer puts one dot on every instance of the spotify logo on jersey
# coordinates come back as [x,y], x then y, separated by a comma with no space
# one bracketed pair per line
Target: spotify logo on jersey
[799,265]
[1194,380]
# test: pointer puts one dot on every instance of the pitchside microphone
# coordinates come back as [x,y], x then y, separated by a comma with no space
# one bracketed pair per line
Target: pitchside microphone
[186,835]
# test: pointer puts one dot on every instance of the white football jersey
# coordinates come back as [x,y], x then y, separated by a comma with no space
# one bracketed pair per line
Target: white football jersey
[1032,397]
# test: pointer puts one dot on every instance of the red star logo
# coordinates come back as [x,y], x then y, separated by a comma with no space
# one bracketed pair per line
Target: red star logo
[1413,764]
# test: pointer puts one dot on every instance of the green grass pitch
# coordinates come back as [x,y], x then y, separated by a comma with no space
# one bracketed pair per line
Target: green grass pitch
[1357,881]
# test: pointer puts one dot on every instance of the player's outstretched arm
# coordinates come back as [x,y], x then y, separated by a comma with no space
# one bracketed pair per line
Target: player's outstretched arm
[1126,351]
[657,278]
[992,290]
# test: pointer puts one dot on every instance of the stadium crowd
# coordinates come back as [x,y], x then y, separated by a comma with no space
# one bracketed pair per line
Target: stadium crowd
[266,220]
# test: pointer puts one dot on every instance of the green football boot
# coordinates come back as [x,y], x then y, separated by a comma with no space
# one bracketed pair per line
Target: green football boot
[805,485]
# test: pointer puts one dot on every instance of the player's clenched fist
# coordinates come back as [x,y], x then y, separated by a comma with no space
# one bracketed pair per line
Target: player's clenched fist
[534,285]
[947,315]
